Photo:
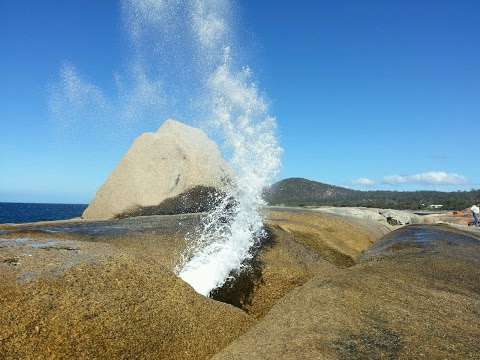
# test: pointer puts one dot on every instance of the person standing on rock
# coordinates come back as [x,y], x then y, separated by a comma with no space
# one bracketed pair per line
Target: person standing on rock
[475,212]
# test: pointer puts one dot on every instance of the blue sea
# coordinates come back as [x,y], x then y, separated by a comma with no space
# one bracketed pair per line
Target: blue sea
[30,212]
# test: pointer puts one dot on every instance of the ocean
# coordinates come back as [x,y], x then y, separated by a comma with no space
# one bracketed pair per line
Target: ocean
[30,212]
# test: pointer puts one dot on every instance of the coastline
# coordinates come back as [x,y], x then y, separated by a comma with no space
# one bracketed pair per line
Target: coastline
[120,276]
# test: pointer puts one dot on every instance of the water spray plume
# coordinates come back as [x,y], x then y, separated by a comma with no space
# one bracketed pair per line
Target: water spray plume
[229,234]
[226,237]
[183,65]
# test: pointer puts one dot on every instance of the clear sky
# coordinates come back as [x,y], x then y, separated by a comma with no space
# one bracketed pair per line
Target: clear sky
[367,94]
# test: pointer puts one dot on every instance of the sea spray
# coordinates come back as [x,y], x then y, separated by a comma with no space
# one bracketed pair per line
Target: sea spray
[234,106]
[184,65]
[229,232]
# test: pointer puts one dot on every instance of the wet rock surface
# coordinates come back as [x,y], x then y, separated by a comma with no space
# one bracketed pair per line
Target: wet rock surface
[33,258]
[153,236]
[420,240]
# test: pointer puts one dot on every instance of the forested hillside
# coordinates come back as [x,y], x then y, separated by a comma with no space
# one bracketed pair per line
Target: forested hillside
[303,192]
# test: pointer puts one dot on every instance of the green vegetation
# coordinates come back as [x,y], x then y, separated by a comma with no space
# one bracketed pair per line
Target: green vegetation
[303,192]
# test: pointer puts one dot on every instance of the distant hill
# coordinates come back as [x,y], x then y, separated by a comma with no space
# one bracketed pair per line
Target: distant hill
[303,192]
[299,190]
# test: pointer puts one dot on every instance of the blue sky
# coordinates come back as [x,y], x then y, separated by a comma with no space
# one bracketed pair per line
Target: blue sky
[369,94]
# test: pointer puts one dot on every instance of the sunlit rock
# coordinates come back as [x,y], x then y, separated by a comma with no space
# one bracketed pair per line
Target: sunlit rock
[177,169]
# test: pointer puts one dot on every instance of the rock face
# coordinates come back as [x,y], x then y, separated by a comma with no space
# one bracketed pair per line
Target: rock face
[415,294]
[387,217]
[108,289]
[177,169]
[116,308]
[324,286]
[302,244]
[398,217]
[65,296]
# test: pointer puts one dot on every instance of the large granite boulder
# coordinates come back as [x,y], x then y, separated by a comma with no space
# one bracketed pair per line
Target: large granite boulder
[177,169]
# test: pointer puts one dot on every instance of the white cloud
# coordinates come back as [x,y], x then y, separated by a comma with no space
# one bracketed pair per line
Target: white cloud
[364,182]
[428,178]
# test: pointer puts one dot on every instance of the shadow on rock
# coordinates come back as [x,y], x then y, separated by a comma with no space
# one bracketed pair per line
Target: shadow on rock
[239,289]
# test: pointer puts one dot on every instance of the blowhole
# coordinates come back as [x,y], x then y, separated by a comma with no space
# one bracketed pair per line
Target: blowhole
[239,289]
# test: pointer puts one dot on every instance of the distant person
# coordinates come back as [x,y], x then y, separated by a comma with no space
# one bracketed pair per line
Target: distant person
[475,212]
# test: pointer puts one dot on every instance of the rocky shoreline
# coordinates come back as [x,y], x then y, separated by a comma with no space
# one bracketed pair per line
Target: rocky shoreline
[322,286]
